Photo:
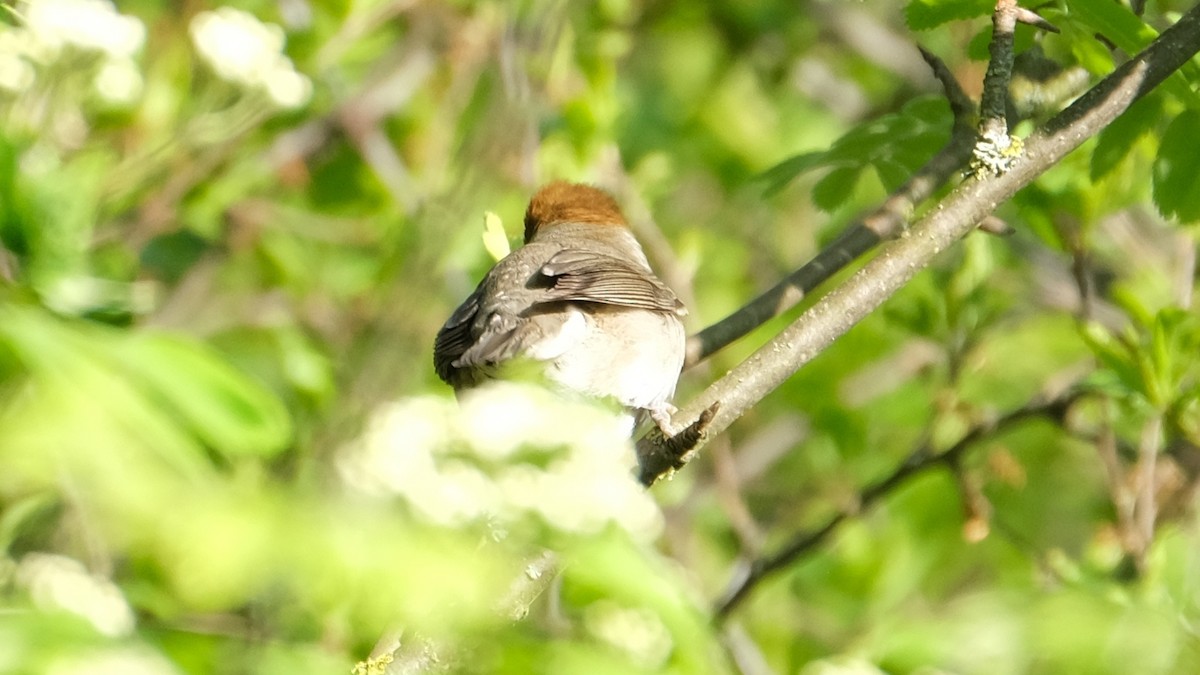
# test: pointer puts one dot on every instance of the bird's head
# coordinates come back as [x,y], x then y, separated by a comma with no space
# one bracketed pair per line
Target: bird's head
[560,203]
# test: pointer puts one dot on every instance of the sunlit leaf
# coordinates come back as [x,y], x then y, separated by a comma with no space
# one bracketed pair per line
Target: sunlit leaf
[1120,26]
[1115,22]
[836,188]
[495,240]
[926,14]
[231,412]
[69,365]
[1117,139]
[778,176]
[11,234]
[1115,356]
[1177,169]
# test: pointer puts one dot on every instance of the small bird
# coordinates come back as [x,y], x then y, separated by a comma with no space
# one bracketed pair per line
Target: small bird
[580,299]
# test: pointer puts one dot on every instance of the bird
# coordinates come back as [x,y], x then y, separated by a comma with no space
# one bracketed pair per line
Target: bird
[578,299]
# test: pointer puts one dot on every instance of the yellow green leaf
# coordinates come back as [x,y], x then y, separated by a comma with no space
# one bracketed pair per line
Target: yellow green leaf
[495,240]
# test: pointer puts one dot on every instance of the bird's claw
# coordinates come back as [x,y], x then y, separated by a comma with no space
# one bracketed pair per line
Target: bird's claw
[661,452]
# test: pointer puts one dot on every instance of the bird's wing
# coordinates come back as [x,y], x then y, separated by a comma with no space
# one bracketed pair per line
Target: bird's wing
[455,338]
[510,314]
[467,353]
[586,276]
[528,317]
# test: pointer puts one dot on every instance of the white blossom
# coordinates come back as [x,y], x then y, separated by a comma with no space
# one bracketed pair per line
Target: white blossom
[287,87]
[16,73]
[49,28]
[636,631]
[85,24]
[247,52]
[510,451]
[58,582]
[118,81]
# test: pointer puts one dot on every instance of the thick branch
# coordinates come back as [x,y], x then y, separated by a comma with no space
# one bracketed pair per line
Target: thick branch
[886,222]
[920,460]
[956,216]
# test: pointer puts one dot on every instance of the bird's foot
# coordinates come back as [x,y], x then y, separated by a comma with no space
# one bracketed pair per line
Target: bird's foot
[662,418]
[661,452]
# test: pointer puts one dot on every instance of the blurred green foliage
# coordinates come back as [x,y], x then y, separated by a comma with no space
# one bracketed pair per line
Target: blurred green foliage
[227,238]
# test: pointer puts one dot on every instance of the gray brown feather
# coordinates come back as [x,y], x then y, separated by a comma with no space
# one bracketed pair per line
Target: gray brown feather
[492,326]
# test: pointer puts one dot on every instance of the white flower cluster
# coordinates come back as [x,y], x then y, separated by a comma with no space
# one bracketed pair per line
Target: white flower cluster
[59,583]
[509,451]
[247,52]
[638,632]
[50,28]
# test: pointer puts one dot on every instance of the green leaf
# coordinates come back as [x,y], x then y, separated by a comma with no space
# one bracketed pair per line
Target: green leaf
[11,235]
[495,240]
[778,176]
[1158,360]
[892,173]
[1114,355]
[1118,138]
[894,145]
[834,189]
[55,215]
[979,48]
[926,14]
[1177,169]
[973,273]
[1119,25]
[228,411]
[1089,53]
[20,514]
[1115,22]
[1174,342]
[94,403]
[933,110]
[1134,305]
[861,143]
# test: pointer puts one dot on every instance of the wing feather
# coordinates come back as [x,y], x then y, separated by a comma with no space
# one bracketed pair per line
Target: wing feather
[585,276]
[490,327]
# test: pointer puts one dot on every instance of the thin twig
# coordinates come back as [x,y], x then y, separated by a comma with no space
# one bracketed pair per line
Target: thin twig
[745,654]
[1081,264]
[961,105]
[1028,16]
[1146,504]
[992,119]
[996,150]
[1185,269]
[728,486]
[920,460]
[1105,442]
[977,510]
[537,576]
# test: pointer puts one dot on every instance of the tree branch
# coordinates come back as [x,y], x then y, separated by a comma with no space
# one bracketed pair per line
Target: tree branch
[919,461]
[885,222]
[955,217]
[1146,500]
[993,120]
[996,150]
